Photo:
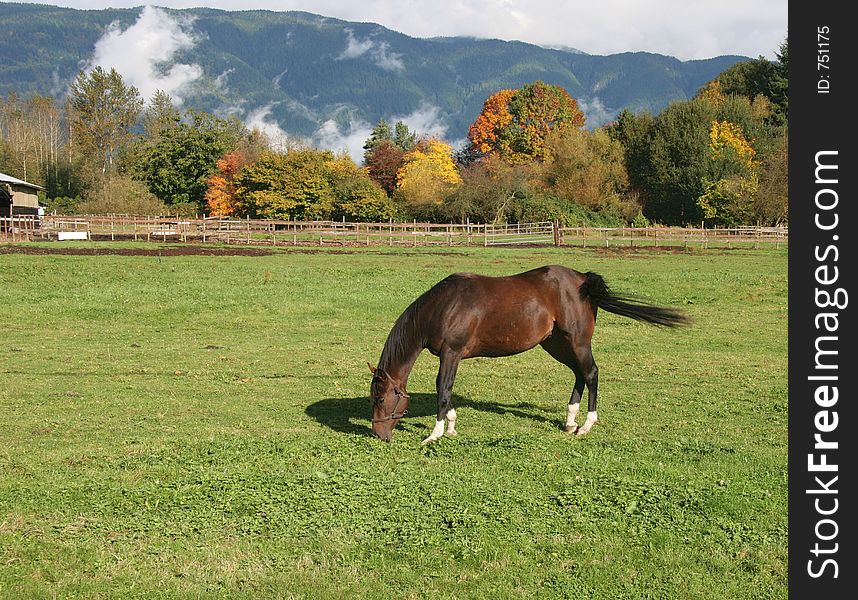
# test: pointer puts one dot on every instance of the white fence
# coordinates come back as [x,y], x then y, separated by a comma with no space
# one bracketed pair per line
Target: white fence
[320,233]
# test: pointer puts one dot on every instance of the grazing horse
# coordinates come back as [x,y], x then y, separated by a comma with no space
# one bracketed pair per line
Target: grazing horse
[468,315]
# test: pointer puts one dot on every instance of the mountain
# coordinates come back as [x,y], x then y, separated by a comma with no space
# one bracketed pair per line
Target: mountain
[315,76]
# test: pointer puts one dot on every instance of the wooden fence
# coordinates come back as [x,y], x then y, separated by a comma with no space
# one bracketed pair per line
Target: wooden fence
[341,233]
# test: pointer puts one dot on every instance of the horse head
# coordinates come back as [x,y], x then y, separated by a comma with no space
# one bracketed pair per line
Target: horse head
[389,403]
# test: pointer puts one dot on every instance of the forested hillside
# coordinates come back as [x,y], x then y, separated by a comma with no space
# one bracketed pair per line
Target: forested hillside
[305,70]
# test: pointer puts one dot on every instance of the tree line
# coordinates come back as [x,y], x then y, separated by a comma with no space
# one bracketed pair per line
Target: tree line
[719,158]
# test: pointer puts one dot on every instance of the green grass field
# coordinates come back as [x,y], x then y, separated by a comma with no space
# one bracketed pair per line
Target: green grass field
[198,427]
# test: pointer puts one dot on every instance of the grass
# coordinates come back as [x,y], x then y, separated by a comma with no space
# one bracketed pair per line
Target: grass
[198,427]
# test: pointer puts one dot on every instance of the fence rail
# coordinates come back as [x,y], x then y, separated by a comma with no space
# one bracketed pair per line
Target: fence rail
[320,233]
[520,233]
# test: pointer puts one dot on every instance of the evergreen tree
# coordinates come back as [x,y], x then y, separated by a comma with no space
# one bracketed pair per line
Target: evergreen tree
[380,133]
[403,138]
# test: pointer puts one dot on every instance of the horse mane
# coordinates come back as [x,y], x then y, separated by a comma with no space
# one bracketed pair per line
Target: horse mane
[405,335]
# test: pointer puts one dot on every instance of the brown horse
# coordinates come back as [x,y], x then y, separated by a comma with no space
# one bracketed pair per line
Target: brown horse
[467,315]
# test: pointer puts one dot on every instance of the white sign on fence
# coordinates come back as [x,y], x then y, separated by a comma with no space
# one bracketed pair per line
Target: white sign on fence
[72,235]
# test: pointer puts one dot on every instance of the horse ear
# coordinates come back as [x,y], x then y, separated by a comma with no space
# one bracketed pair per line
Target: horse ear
[371,368]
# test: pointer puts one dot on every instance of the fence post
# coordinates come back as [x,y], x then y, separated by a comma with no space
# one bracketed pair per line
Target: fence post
[555,228]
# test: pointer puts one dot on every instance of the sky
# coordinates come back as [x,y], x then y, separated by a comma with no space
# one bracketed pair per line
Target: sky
[686,29]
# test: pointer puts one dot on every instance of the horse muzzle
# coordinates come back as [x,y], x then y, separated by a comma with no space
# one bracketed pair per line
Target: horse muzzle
[384,436]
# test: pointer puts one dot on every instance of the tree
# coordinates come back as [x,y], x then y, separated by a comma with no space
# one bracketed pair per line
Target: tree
[222,197]
[102,111]
[358,198]
[588,169]
[28,135]
[634,133]
[292,185]
[384,150]
[678,162]
[771,204]
[383,162]
[486,131]
[380,133]
[490,190]
[159,116]
[176,167]
[404,138]
[779,85]
[427,175]
[515,123]
[757,78]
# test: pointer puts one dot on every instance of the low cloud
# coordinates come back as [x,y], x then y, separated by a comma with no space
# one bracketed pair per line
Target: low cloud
[425,121]
[355,47]
[596,113]
[379,52]
[261,120]
[220,80]
[331,137]
[143,54]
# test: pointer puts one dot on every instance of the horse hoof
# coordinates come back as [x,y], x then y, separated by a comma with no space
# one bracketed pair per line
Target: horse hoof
[452,432]
[571,429]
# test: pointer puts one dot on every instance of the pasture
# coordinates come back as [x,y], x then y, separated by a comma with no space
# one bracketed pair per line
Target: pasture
[198,426]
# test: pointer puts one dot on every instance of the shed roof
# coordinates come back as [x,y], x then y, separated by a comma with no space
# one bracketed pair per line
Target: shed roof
[15,181]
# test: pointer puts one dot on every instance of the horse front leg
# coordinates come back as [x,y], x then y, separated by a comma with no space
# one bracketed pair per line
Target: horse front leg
[444,387]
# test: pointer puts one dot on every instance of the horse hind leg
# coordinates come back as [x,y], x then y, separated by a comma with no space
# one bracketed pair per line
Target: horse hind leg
[590,372]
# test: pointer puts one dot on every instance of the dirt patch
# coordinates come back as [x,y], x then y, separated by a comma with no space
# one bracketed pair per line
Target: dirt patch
[642,250]
[194,250]
[120,251]
[109,249]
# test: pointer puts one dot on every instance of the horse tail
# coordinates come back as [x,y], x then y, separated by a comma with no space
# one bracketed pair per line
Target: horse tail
[600,295]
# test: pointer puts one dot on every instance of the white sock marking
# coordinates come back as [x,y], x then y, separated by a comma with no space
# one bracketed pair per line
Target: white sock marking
[592,417]
[572,414]
[451,422]
[436,433]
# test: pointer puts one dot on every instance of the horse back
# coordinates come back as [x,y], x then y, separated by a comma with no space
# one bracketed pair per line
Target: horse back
[478,315]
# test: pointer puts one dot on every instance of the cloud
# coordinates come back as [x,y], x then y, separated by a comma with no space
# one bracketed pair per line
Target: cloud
[425,121]
[260,119]
[330,137]
[355,47]
[379,52]
[596,113]
[142,54]
[220,80]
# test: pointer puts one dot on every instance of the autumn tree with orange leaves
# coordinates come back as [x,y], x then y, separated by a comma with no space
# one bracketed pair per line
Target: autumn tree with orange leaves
[222,195]
[486,132]
[515,123]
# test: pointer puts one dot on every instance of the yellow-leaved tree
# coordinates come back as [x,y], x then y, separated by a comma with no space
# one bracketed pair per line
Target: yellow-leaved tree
[729,198]
[428,174]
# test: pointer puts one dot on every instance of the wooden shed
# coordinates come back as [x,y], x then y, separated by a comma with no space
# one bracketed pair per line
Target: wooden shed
[18,197]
